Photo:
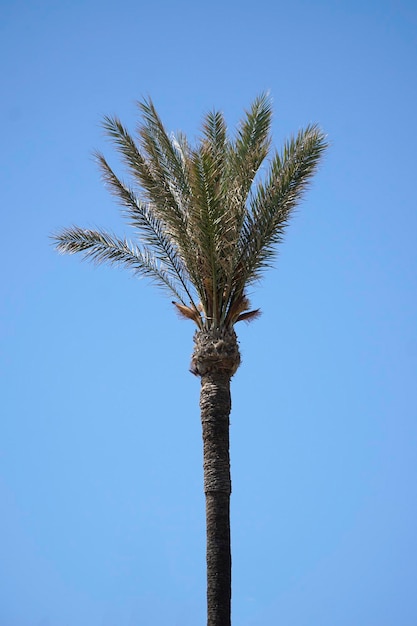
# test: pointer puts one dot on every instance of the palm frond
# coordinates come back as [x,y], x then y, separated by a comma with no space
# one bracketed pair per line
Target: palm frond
[170,162]
[221,181]
[252,143]
[167,167]
[214,214]
[215,135]
[149,168]
[188,313]
[239,310]
[152,167]
[249,316]
[151,229]
[131,156]
[273,202]
[246,155]
[203,224]
[100,247]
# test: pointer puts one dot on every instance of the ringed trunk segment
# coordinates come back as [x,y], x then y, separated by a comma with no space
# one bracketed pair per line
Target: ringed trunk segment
[215,359]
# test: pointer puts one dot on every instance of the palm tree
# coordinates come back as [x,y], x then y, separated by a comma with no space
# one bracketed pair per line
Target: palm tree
[206,231]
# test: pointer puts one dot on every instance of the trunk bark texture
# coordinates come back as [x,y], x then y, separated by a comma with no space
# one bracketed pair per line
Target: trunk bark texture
[215,359]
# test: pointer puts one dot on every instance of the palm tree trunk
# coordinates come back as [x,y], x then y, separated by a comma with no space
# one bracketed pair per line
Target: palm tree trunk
[215,359]
[215,407]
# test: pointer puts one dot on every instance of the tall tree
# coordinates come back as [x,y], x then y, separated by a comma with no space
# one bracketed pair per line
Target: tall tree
[206,230]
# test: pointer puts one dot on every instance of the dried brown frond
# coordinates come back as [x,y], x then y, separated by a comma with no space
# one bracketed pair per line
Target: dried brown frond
[240,304]
[188,313]
[249,316]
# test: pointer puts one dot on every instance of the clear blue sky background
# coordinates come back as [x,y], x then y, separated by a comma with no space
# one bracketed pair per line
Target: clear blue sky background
[102,508]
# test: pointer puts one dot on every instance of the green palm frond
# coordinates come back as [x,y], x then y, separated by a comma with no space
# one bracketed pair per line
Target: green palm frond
[131,156]
[150,170]
[168,170]
[151,228]
[273,202]
[165,158]
[252,144]
[170,159]
[205,226]
[215,139]
[246,154]
[220,179]
[100,246]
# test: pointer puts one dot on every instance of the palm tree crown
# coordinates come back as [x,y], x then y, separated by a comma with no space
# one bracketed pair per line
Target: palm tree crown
[206,229]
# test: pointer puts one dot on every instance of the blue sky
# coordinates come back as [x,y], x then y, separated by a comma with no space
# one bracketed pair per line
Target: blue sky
[102,519]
